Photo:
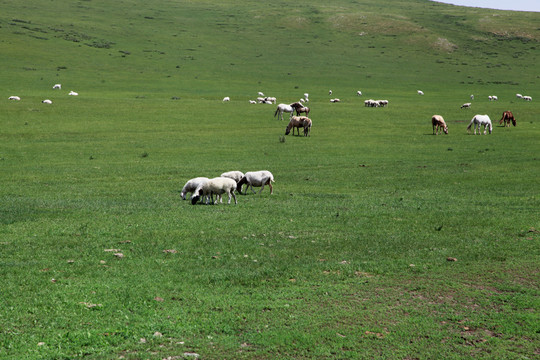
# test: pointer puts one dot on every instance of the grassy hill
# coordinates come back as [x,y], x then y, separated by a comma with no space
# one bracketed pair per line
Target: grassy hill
[380,240]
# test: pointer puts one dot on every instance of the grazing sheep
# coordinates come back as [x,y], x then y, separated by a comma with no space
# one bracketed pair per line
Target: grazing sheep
[335,100]
[256,178]
[466,105]
[14,98]
[329,92]
[359,93]
[252,102]
[235,175]
[57,86]
[519,96]
[472,97]
[218,186]
[306,96]
[420,92]
[191,185]
[47,101]
[438,123]
[226,98]
[527,98]
[73,93]
[260,93]
[493,98]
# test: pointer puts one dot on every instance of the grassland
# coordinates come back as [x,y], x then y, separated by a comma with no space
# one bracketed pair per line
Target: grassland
[348,259]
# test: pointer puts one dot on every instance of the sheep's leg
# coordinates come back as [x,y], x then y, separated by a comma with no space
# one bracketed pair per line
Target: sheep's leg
[262,187]
[271,188]
[234,197]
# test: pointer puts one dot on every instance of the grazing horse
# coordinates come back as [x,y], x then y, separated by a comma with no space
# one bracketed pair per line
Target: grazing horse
[478,121]
[507,117]
[281,108]
[438,123]
[300,108]
[299,122]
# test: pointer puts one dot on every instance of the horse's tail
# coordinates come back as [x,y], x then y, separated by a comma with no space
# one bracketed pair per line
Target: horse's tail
[502,119]
[470,124]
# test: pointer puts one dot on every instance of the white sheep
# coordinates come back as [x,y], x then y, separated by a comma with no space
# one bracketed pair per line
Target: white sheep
[519,96]
[218,186]
[466,105]
[329,92]
[73,93]
[191,185]
[57,86]
[252,102]
[335,100]
[359,93]
[527,98]
[420,92]
[261,93]
[306,96]
[256,178]
[472,97]
[14,98]
[235,175]
[47,101]
[226,98]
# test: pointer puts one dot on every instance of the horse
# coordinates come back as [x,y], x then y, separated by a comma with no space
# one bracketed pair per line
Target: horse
[478,121]
[299,122]
[507,117]
[281,108]
[300,108]
[438,123]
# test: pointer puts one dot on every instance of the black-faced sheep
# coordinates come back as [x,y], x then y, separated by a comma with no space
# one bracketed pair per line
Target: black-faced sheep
[256,178]
[217,186]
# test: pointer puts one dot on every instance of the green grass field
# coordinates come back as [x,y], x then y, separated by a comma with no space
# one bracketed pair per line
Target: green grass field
[380,240]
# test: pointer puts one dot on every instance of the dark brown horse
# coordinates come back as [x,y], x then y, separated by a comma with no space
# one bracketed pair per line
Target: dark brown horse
[300,108]
[507,117]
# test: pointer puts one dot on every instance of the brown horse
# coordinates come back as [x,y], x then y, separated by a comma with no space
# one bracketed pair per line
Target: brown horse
[299,122]
[507,117]
[438,123]
[300,108]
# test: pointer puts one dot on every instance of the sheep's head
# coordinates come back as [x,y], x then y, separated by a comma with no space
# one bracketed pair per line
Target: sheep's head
[196,195]
[240,183]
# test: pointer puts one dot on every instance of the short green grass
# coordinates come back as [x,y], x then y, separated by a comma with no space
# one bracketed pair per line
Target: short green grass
[351,257]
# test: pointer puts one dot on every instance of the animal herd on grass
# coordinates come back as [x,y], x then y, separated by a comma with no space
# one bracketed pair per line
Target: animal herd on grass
[46,101]
[203,188]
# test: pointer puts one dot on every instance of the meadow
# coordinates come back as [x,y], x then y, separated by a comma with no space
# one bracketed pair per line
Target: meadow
[381,240]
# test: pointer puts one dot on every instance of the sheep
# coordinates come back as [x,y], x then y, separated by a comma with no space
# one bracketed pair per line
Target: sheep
[358,93]
[14,98]
[47,101]
[472,97]
[420,92]
[329,92]
[235,175]
[527,98]
[226,98]
[57,86]
[260,93]
[73,93]
[519,96]
[218,186]
[334,100]
[252,102]
[191,185]
[306,96]
[270,100]
[466,105]
[493,98]
[256,178]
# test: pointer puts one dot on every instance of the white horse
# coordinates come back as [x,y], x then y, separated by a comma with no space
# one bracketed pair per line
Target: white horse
[281,108]
[478,121]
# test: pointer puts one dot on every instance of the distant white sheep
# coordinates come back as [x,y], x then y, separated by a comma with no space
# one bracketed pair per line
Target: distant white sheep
[335,100]
[260,93]
[519,96]
[73,93]
[306,96]
[472,97]
[420,92]
[235,175]
[16,98]
[359,93]
[226,98]
[217,186]
[527,98]
[493,98]
[191,185]
[57,86]
[47,101]
[329,92]
[252,102]
[256,178]
[466,106]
